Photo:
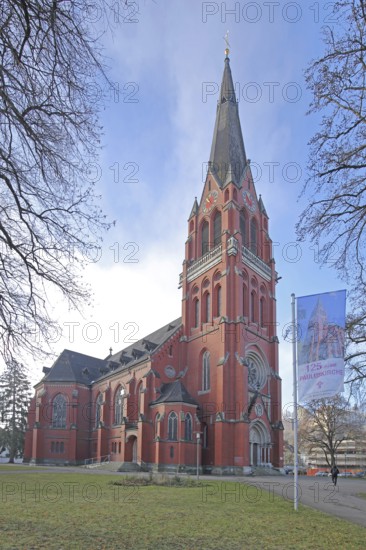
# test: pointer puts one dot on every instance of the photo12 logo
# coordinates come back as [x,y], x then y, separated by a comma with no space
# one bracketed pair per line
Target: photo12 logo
[271,12]
[253,92]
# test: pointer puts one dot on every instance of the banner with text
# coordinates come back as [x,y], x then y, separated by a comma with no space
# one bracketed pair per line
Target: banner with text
[320,344]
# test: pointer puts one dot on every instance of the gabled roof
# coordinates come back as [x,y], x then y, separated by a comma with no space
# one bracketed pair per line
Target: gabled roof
[227,159]
[174,392]
[72,366]
[145,347]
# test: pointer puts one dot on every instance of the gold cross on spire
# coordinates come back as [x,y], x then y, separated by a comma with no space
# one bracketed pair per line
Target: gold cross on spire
[226,38]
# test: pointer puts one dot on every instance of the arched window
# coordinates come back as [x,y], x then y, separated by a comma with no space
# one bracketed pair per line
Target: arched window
[98,409]
[204,436]
[59,411]
[156,423]
[62,447]
[207,303]
[217,228]
[252,306]
[245,301]
[204,238]
[196,313]
[172,427]
[243,228]
[188,427]
[118,405]
[262,311]
[253,236]
[218,301]
[206,371]
[57,447]
[139,399]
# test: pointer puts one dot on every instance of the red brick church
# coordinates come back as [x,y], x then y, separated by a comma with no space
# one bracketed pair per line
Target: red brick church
[207,381]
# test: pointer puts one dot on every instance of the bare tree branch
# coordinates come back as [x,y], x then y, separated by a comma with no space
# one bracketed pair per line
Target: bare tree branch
[335,218]
[49,216]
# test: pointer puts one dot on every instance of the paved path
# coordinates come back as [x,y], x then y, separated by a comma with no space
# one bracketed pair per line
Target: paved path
[319,493]
[340,501]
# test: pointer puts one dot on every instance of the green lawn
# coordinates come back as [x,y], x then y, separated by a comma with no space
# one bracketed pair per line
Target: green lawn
[88,511]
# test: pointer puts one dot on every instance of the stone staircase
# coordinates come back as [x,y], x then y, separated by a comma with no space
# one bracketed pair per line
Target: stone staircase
[117,467]
[130,467]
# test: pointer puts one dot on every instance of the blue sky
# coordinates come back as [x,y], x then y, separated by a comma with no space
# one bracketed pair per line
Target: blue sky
[167,61]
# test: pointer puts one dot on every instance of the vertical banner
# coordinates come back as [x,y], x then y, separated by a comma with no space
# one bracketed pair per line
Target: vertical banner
[320,344]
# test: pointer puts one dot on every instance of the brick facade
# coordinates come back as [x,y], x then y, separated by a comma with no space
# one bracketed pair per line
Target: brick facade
[212,374]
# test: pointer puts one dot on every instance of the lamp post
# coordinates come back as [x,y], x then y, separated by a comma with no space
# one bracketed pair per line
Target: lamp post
[345,461]
[198,438]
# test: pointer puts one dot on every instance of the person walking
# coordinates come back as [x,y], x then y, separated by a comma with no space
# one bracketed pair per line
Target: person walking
[334,471]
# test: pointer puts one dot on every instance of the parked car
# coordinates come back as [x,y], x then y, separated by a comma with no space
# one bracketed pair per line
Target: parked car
[321,474]
[346,474]
[361,474]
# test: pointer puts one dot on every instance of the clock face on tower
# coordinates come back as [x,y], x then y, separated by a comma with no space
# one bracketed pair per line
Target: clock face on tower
[209,201]
[249,201]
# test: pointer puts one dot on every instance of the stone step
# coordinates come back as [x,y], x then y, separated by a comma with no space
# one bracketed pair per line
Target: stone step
[129,467]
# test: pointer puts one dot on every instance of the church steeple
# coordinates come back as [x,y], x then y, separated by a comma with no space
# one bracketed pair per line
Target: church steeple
[227,159]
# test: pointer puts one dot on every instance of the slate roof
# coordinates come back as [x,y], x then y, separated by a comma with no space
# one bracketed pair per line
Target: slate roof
[72,366]
[227,159]
[142,349]
[174,392]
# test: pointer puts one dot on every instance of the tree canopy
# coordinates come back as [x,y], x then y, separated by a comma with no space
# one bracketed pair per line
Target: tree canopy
[335,217]
[15,390]
[50,63]
[325,423]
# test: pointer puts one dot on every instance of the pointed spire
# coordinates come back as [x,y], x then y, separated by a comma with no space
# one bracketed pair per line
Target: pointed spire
[227,158]
[261,206]
[194,209]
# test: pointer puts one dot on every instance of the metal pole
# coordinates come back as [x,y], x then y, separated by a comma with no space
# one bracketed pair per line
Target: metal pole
[294,338]
[198,456]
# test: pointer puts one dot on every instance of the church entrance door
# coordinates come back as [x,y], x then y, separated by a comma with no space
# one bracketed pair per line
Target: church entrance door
[255,454]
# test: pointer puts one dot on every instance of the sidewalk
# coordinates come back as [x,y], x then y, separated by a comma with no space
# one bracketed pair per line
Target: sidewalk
[340,501]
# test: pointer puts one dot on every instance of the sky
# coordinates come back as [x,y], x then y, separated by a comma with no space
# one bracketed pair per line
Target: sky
[166,59]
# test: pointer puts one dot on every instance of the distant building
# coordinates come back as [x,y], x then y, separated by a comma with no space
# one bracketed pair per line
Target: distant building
[212,373]
[350,456]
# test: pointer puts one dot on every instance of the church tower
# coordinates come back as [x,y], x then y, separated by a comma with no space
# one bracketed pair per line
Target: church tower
[205,382]
[229,341]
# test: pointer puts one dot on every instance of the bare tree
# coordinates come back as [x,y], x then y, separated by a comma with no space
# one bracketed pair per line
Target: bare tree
[51,65]
[324,424]
[335,217]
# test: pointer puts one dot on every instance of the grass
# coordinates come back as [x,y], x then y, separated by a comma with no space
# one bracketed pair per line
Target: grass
[7,466]
[95,512]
